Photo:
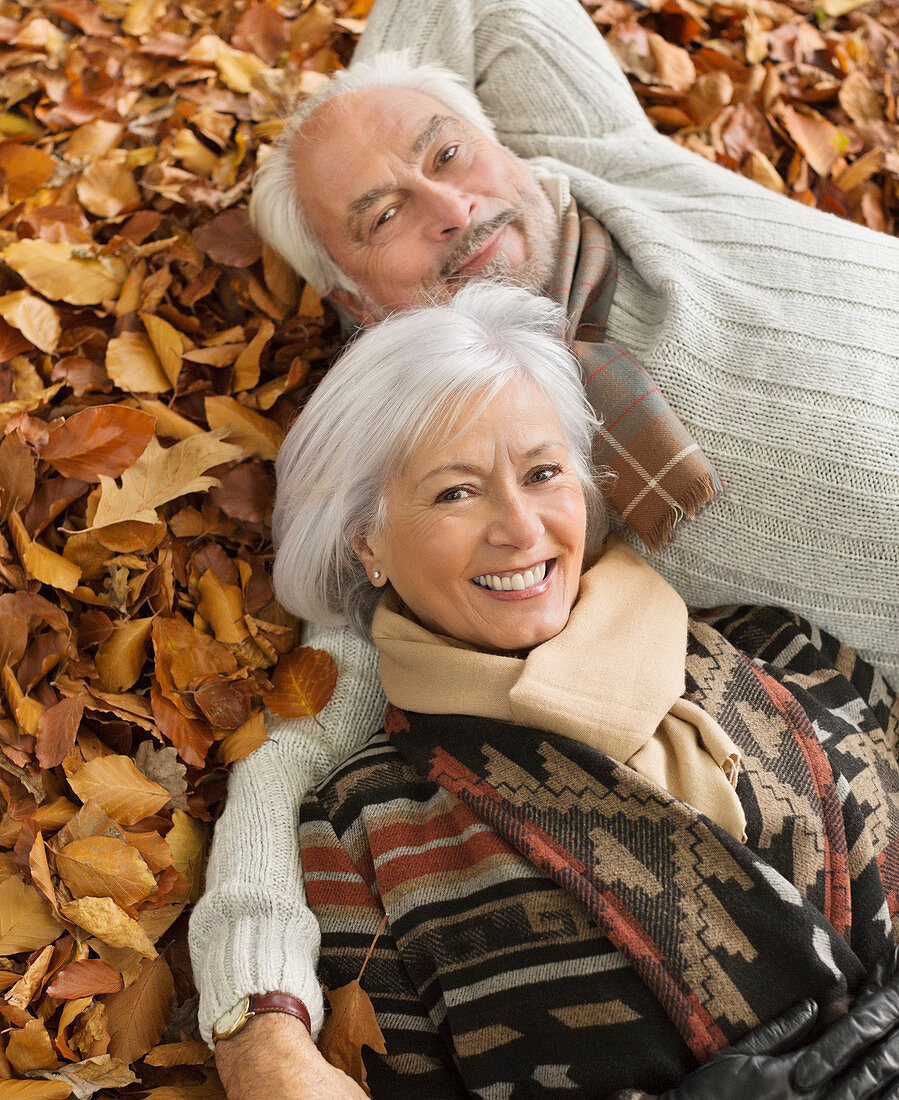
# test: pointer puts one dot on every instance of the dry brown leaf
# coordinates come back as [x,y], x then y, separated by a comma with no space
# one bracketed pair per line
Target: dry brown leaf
[190,1052]
[302,683]
[89,1076]
[820,141]
[101,917]
[93,139]
[256,435]
[115,784]
[21,994]
[121,658]
[29,1048]
[168,343]
[160,475]
[104,866]
[230,239]
[188,839]
[351,1025]
[107,186]
[858,98]
[25,168]
[221,605]
[59,273]
[36,319]
[57,729]
[104,439]
[34,1090]
[244,740]
[85,978]
[40,562]
[26,918]
[134,366]
[137,1016]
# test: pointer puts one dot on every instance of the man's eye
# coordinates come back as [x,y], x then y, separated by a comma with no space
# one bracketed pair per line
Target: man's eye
[448,153]
[385,217]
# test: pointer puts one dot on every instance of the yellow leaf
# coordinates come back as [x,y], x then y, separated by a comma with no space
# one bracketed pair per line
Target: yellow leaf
[168,343]
[93,139]
[302,683]
[42,563]
[244,740]
[138,1015]
[34,1090]
[36,319]
[221,605]
[107,186]
[256,435]
[101,917]
[134,366]
[142,16]
[30,1048]
[238,69]
[246,366]
[57,272]
[121,658]
[115,784]
[26,918]
[190,1052]
[21,993]
[169,423]
[187,840]
[159,476]
[104,866]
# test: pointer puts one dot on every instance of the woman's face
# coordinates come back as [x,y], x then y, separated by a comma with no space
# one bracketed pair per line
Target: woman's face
[484,538]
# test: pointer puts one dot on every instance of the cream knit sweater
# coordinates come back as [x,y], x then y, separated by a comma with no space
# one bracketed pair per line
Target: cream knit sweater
[772,329]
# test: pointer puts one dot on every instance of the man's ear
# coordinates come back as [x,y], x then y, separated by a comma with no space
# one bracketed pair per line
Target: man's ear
[371,562]
[352,306]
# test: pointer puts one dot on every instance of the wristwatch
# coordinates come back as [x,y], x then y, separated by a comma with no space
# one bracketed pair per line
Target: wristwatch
[230,1022]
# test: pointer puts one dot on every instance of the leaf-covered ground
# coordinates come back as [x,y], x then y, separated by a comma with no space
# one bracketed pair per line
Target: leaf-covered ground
[152,354]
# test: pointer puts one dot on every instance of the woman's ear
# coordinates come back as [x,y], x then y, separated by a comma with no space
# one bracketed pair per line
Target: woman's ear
[370,561]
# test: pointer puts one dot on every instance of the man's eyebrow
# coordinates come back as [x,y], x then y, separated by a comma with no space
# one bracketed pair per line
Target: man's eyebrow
[364,202]
[433,128]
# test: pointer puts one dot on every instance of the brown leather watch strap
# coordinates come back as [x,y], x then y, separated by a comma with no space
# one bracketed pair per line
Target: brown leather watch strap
[281,1002]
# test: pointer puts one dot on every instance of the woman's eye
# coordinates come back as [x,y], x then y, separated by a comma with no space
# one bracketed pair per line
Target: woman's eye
[545,473]
[458,492]
[448,153]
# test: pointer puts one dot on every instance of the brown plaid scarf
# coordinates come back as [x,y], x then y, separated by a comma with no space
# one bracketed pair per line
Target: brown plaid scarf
[660,471]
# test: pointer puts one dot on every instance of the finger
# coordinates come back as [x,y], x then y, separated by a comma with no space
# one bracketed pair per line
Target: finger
[781,1033]
[885,969]
[848,1041]
[865,1081]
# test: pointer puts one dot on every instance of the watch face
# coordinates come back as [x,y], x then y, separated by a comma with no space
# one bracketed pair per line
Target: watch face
[232,1020]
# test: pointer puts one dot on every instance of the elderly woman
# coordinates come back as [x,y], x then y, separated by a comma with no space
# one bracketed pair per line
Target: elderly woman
[595,844]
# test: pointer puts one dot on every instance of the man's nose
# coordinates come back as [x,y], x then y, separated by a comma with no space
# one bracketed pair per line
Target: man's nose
[449,209]
[516,521]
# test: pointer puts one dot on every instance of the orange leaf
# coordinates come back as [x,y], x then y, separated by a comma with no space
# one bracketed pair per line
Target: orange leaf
[115,784]
[105,439]
[302,683]
[25,168]
[351,1025]
[85,978]
[138,1015]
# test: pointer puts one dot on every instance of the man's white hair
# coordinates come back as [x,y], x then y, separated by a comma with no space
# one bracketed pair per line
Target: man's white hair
[396,382]
[275,207]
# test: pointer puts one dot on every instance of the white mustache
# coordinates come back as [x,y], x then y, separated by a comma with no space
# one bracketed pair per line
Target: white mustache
[473,240]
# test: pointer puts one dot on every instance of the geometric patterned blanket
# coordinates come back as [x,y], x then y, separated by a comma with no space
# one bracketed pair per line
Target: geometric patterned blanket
[558,922]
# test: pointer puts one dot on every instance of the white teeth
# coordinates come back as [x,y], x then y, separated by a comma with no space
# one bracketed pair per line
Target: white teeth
[516,582]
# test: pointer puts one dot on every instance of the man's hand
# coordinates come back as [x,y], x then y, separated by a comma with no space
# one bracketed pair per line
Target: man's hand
[274,1058]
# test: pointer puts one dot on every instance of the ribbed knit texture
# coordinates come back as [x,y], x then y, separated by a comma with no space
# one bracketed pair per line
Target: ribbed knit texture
[774,333]
[772,329]
[251,931]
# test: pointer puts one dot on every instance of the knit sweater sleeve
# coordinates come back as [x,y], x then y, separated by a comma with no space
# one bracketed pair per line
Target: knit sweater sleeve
[539,67]
[252,932]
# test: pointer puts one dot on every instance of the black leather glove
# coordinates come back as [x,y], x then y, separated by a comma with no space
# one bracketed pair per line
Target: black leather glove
[855,1058]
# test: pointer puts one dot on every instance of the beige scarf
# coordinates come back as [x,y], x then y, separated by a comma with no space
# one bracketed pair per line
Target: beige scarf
[612,679]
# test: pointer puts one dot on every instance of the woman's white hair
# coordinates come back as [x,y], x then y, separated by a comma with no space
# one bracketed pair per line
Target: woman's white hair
[275,207]
[390,387]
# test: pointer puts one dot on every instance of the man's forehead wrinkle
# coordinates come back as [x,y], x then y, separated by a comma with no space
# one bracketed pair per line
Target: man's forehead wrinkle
[432,130]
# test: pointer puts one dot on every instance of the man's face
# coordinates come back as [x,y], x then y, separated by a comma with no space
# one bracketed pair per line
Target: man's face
[409,200]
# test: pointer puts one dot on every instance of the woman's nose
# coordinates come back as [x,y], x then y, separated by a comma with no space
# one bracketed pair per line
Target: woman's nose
[516,522]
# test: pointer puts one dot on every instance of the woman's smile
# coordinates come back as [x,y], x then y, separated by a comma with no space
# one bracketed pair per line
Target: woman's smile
[496,488]
[517,585]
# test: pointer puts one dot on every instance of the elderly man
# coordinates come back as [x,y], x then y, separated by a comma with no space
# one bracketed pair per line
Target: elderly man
[772,329]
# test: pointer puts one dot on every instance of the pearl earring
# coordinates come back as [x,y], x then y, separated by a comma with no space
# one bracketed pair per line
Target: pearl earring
[377,574]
